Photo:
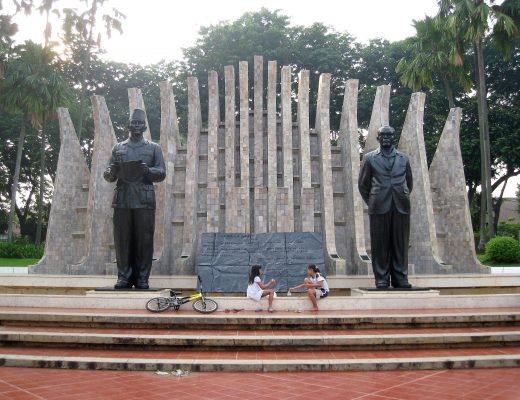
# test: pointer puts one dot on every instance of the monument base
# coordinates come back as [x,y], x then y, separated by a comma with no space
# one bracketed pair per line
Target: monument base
[394,292]
[126,290]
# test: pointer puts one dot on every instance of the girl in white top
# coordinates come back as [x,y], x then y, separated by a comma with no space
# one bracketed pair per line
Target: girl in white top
[256,289]
[316,285]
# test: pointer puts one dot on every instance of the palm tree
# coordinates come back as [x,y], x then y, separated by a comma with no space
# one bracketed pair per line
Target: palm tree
[432,56]
[31,87]
[473,22]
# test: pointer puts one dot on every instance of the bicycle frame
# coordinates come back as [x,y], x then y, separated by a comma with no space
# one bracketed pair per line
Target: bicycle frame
[178,301]
[187,299]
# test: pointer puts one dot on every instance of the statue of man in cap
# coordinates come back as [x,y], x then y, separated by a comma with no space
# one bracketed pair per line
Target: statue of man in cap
[136,164]
[385,183]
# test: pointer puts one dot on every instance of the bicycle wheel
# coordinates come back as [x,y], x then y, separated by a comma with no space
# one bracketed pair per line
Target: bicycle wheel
[205,306]
[158,304]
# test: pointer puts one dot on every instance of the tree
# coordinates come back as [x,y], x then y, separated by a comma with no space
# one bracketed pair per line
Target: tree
[472,22]
[31,86]
[517,193]
[432,56]
[79,32]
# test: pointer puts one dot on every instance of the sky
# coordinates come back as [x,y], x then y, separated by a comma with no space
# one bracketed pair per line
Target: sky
[157,30]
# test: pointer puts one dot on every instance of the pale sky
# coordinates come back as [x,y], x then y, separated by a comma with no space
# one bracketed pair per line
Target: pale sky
[157,30]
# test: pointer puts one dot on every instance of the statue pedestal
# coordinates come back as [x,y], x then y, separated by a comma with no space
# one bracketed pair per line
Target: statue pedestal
[394,293]
[110,292]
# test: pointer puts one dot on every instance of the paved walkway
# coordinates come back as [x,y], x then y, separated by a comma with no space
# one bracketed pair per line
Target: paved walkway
[477,384]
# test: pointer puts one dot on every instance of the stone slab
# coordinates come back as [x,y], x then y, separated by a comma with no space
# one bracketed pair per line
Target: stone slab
[376,293]
[493,281]
[283,365]
[298,301]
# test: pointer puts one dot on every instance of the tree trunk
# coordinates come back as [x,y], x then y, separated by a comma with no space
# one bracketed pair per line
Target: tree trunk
[86,65]
[449,91]
[486,214]
[39,223]
[16,178]
[498,205]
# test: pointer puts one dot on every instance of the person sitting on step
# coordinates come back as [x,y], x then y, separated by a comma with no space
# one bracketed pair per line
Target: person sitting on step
[256,289]
[316,284]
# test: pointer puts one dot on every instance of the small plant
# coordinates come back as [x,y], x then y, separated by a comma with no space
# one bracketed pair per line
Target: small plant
[21,249]
[503,249]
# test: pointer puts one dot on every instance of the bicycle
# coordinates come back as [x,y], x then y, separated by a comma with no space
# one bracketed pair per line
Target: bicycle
[201,303]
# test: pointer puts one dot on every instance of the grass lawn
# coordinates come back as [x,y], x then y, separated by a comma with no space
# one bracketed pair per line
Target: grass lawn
[484,260]
[17,262]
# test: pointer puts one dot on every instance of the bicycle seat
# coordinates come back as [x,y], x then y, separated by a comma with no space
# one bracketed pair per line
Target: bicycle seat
[174,293]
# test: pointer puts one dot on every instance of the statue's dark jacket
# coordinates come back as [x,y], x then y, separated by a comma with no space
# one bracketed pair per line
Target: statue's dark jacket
[136,192]
[380,183]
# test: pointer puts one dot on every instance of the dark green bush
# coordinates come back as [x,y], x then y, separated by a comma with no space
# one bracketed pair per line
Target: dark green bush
[508,229]
[503,249]
[20,250]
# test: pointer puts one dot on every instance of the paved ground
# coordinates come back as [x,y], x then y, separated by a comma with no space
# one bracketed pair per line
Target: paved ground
[488,384]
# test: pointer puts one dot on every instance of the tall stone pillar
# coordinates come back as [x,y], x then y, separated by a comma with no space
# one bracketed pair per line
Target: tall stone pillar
[454,230]
[272,177]
[135,100]
[422,255]
[379,117]
[169,135]
[357,260]
[213,197]
[185,265]
[260,189]
[259,121]
[65,244]
[99,236]
[244,142]
[335,263]
[307,191]
[229,76]
[287,209]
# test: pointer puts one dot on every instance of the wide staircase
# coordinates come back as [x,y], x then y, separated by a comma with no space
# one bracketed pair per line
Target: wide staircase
[248,341]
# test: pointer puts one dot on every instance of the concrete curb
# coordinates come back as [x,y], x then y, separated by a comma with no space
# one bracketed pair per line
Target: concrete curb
[135,301]
[138,364]
[260,321]
[297,342]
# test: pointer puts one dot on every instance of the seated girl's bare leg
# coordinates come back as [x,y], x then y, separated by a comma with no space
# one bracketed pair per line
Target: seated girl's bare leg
[269,293]
[312,296]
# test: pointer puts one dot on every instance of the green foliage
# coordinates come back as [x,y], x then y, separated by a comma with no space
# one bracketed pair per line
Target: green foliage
[518,197]
[508,229]
[21,249]
[503,249]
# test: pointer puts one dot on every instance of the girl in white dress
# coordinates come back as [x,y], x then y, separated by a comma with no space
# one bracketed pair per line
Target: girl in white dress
[256,289]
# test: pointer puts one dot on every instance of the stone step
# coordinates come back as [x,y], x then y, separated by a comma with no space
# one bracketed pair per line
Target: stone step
[375,319]
[264,361]
[297,302]
[256,340]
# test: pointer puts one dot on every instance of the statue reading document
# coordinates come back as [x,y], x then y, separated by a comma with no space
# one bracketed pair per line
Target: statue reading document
[135,164]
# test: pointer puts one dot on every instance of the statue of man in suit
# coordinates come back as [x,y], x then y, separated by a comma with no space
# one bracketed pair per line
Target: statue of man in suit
[385,183]
[136,164]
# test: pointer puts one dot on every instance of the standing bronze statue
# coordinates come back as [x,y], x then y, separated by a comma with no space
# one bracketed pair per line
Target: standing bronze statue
[135,163]
[385,183]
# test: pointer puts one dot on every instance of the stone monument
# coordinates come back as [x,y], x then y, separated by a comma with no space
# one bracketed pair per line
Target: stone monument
[260,171]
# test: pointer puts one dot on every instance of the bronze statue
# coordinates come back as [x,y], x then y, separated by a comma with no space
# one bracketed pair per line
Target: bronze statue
[385,183]
[135,163]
